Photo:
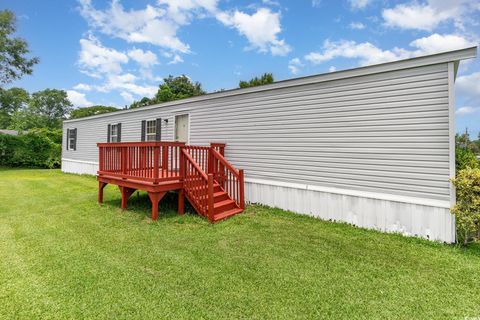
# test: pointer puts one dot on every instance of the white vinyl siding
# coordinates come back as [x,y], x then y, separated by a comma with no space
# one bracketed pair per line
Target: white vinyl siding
[386,132]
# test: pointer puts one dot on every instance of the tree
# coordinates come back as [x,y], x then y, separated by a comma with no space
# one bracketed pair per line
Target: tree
[141,103]
[46,109]
[11,101]
[90,111]
[266,78]
[175,88]
[13,61]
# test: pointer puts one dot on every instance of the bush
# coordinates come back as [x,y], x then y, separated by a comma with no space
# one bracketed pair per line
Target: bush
[33,149]
[467,209]
[465,158]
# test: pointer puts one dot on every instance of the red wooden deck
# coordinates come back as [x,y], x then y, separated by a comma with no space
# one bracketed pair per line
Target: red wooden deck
[200,173]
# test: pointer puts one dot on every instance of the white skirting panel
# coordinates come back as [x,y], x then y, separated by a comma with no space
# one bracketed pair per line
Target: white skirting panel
[410,219]
[424,218]
[79,167]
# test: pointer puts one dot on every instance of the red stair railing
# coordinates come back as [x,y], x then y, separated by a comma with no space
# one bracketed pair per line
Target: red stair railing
[229,178]
[198,185]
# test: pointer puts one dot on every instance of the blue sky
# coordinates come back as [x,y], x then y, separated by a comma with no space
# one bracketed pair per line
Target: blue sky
[113,52]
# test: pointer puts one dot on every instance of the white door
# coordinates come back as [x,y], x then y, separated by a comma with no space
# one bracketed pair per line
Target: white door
[181,128]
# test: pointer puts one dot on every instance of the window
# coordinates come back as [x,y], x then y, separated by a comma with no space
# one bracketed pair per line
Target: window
[151,130]
[114,133]
[72,139]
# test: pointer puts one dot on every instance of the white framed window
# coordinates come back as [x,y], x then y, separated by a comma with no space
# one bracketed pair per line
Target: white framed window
[72,139]
[114,133]
[151,130]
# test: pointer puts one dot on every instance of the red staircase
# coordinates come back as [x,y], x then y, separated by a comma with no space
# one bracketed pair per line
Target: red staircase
[212,185]
[201,173]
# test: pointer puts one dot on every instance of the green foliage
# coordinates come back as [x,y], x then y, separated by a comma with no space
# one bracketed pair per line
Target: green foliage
[90,111]
[141,103]
[39,148]
[467,208]
[465,158]
[46,109]
[11,101]
[13,61]
[265,78]
[173,88]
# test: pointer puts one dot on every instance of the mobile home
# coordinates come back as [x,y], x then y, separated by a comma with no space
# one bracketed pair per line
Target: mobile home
[372,146]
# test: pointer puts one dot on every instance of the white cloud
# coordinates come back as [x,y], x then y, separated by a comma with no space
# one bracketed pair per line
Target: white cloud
[176,59]
[127,82]
[439,43]
[95,59]
[357,25]
[332,69]
[127,97]
[427,16]
[465,110]
[144,58]
[78,99]
[159,24]
[469,85]
[359,4]
[83,87]
[295,65]
[149,25]
[368,53]
[316,3]
[260,28]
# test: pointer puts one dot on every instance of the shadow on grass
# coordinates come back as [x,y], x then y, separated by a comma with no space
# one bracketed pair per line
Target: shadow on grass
[140,204]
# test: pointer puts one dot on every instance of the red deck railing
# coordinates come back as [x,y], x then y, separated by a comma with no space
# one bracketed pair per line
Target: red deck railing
[146,161]
[204,171]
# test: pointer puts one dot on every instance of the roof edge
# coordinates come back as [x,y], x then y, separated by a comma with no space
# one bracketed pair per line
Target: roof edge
[443,57]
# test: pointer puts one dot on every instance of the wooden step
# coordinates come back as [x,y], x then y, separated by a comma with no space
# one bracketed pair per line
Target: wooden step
[226,214]
[224,205]
[217,196]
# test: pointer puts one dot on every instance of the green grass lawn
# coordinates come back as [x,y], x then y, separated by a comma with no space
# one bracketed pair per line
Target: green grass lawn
[64,256]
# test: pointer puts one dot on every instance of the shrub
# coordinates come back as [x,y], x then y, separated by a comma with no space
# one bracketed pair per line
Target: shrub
[8,144]
[465,158]
[467,209]
[34,149]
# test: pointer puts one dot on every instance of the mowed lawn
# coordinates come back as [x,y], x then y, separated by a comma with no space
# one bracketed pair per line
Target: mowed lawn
[64,256]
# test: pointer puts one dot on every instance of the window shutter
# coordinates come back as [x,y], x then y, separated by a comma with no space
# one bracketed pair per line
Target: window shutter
[144,124]
[108,133]
[68,138]
[119,132]
[74,139]
[158,131]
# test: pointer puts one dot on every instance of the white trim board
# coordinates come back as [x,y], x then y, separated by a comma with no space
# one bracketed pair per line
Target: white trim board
[356,193]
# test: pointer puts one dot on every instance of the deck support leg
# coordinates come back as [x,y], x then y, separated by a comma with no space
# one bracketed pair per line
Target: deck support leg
[126,193]
[180,201]
[155,197]
[101,185]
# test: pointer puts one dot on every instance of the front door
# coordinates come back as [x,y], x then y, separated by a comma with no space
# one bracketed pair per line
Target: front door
[181,128]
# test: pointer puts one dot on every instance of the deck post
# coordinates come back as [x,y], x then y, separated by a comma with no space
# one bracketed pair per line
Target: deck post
[211,208]
[181,196]
[156,152]
[242,188]
[155,198]
[101,185]
[126,193]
